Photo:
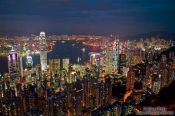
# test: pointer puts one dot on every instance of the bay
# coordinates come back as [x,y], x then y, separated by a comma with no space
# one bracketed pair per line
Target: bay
[67,49]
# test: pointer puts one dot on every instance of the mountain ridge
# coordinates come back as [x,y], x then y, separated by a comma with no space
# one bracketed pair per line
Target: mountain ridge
[157,34]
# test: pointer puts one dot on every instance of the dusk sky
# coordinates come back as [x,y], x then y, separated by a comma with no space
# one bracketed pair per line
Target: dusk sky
[125,17]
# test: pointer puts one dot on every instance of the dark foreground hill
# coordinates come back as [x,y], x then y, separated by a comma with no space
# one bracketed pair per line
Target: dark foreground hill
[165,98]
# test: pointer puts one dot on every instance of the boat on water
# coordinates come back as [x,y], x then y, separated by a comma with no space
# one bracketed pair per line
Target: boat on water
[62,41]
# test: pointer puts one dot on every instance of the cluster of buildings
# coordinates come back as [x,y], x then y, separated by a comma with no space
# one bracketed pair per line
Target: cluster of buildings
[53,87]
[113,58]
[154,71]
[56,87]
[83,97]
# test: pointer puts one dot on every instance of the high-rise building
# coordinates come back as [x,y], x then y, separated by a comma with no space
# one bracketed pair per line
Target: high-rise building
[38,72]
[164,58]
[29,62]
[13,65]
[156,86]
[130,80]
[115,55]
[54,66]
[43,51]
[164,73]
[66,63]
[29,65]
[108,61]
[21,65]
[171,74]
[95,59]
[121,63]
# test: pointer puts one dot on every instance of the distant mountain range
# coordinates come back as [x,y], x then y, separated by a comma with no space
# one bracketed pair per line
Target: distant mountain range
[159,34]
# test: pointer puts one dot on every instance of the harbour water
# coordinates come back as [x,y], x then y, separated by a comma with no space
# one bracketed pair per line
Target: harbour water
[67,49]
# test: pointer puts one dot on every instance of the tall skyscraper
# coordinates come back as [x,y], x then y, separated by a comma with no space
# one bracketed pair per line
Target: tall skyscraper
[29,65]
[115,55]
[108,59]
[43,51]
[21,65]
[66,64]
[29,62]
[121,63]
[13,65]
[95,59]
[54,66]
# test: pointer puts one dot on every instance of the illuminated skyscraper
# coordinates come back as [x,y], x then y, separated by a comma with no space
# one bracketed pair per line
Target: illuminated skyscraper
[29,65]
[66,64]
[13,63]
[95,59]
[130,80]
[43,51]
[121,63]
[21,65]
[108,59]
[29,62]
[115,55]
[54,66]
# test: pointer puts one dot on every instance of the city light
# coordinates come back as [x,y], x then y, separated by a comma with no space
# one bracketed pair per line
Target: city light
[87,58]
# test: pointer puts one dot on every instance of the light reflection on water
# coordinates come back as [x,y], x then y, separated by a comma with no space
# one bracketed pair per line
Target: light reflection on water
[69,49]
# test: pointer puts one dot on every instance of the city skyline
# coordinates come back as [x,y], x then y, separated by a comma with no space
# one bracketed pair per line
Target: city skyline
[87,57]
[86,17]
[110,77]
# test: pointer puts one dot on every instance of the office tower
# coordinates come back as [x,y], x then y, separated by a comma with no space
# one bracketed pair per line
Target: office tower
[125,71]
[21,52]
[95,59]
[115,48]
[130,80]
[43,51]
[29,66]
[171,74]
[66,64]
[92,58]
[163,58]
[13,66]
[21,65]
[108,59]
[38,72]
[54,66]
[121,63]
[29,62]
[156,85]
[164,73]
